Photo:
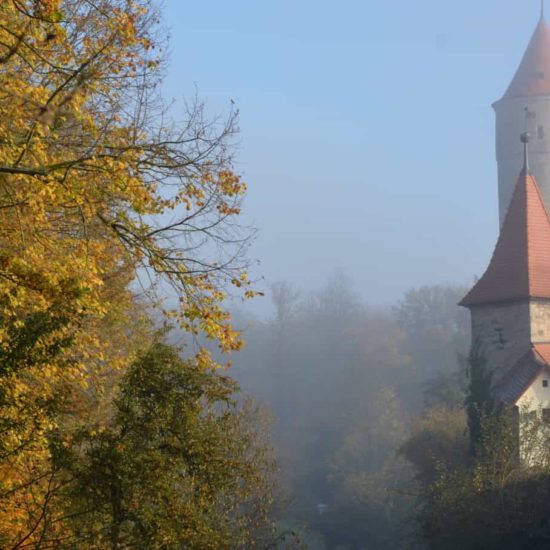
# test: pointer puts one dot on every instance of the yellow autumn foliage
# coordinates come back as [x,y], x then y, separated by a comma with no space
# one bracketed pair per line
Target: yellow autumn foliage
[101,194]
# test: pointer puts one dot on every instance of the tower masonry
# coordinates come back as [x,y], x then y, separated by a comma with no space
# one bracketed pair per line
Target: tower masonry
[525,107]
[510,304]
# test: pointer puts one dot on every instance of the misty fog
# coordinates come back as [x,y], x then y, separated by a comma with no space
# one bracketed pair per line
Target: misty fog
[345,384]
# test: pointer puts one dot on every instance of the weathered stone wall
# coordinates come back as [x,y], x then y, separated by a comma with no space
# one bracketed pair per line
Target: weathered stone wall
[507,331]
[504,333]
[540,321]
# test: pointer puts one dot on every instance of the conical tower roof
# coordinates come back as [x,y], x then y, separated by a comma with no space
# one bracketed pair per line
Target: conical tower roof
[533,75]
[520,266]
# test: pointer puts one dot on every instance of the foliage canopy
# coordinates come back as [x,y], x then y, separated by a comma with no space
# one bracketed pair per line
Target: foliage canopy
[104,200]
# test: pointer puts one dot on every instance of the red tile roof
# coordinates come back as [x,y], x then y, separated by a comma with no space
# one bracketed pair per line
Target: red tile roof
[520,266]
[533,75]
[544,351]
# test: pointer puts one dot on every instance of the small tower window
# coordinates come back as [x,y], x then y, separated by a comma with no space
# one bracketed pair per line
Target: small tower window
[539,75]
[546,416]
[540,132]
[545,383]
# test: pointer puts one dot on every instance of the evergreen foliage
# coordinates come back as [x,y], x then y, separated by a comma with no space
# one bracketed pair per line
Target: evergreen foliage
[479,399]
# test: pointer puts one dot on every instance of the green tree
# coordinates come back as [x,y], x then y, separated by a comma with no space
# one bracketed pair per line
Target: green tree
[438,442]
[181,465]
[493,503]
[473,491]
[368,503]
[98,183]
[480,405]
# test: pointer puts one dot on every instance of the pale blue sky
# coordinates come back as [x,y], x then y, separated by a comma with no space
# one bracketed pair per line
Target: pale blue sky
[367,130]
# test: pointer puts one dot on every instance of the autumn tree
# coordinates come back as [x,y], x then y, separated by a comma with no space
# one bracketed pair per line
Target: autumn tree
[104,199]
[90,155]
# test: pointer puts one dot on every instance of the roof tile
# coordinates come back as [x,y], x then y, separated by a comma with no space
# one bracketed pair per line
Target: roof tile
[544,351]
[520,266]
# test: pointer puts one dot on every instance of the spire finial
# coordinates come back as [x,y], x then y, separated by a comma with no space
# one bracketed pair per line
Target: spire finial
[525,138]
[542,9]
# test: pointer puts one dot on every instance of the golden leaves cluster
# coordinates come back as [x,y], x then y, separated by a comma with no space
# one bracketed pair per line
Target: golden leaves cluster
[99,192]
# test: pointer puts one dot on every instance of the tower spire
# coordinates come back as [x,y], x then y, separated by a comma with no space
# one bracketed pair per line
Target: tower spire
[542,9]
[520,266]
[525,137]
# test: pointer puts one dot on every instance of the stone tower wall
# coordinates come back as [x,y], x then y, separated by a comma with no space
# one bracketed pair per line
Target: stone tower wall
[504,333]
[540,321]
[511,122]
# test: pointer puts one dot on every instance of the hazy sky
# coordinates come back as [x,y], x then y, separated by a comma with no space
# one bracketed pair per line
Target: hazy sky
[367,130]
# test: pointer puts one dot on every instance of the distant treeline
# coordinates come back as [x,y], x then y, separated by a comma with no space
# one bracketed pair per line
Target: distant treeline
[347,383]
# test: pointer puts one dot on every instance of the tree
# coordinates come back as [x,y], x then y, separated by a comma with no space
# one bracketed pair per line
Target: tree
[340,417]
[91,156]
[181,465]
[369,503]
[492,503]
[438,442]
[480,406]
[473,491]
[59,372]
[436,328]
[102,194]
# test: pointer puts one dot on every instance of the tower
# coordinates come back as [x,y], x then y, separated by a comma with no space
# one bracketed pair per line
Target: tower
[525,107]
[510,304]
